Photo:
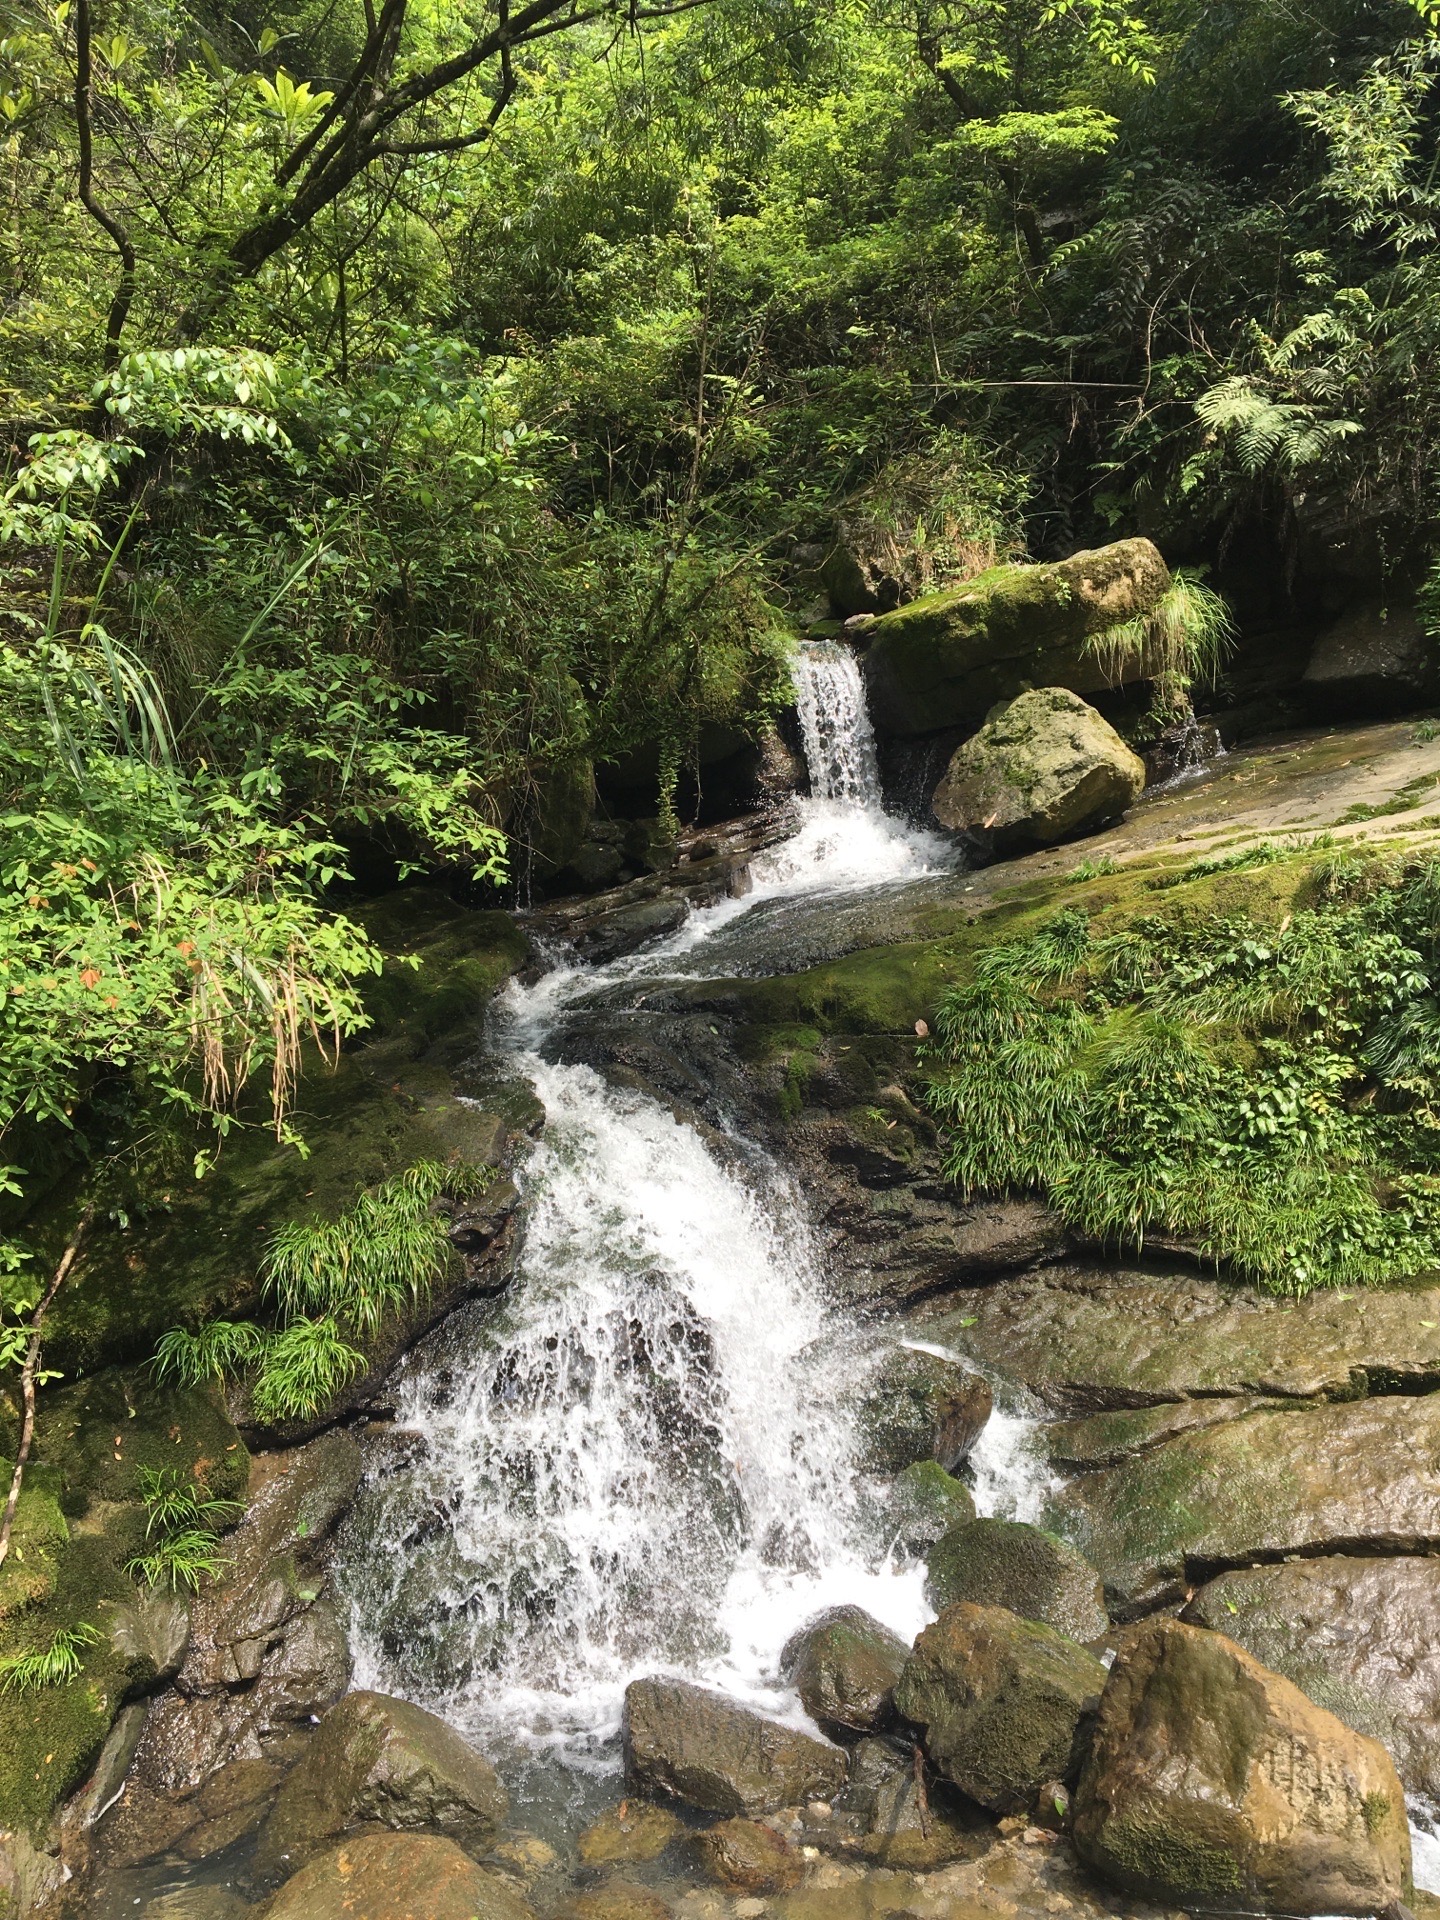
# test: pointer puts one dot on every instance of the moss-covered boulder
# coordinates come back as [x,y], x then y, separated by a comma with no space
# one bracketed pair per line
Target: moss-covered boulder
[1356,1635]
[1041,769]
[387,1761]
[844,1665]
[1214,1782]
[698,1746]
[1006,1563]
[919,1405]
[1003,1702]
[946,658]
[923,1504]
[397,1876]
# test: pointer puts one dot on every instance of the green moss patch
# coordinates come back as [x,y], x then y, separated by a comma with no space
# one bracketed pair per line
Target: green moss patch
[82,1522]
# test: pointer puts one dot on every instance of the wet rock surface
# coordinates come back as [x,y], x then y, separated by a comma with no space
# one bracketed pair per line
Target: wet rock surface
[397,1876]
[844,1666]
[924,1502]
[1359,1637]
[384,1761]
[1007,1563]
[749,1857]
[1319,1479]
[1214,1781]
[1091,1337]
[921,1406]
[703,1748]
[1003,1702]
[267,1655]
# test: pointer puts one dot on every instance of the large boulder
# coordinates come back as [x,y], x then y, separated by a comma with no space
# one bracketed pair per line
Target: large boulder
[946,658]
[700,1747]
[1322,1479]
[844,1666]
[1374,660]
[397,1876]
[382,1760]
[1040,769]
[1213,1782]
[1091,1337]
[1007,1563]
[1003,1702]
[1356,1635]
[921,1406]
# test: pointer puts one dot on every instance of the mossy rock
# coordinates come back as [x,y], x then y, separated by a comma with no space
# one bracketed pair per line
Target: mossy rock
[1004,1702]
[1007,1563]
[947,658]
[92,1439]
[925,1502]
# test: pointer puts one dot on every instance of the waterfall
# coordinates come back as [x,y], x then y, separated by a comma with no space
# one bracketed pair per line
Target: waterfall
[643,1458]
[835,726]
[641,1461]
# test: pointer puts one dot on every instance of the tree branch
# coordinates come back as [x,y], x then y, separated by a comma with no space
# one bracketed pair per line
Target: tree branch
[28,1373]
[125,291]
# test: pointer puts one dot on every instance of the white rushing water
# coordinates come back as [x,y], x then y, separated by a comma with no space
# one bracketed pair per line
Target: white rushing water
[643,1459]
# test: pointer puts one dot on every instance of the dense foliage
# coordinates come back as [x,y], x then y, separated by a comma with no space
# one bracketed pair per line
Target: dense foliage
[409,412]
[1271,1097]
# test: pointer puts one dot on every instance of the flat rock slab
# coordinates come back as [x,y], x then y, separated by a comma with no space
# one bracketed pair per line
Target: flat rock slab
[1321,1479]
[397,1876]
[1085,1338]
[1361,1637]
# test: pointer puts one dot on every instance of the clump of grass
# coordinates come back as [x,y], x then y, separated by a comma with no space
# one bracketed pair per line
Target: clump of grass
[333,1281]
[48,1666]
[1096,869]
[1263,854]
[1270,1096]
[1185,638]
[182,1531]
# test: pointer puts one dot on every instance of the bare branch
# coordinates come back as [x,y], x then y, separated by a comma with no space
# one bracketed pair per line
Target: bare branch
[125,290]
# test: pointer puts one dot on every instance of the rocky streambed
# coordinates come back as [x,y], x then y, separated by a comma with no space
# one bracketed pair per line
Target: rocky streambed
[950,1566]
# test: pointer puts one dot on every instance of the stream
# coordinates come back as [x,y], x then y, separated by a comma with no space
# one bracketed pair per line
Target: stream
[643,1458]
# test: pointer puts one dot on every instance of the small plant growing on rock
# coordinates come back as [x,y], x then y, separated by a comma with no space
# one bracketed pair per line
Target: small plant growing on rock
[333,1281]
[48,1666]
[1269,1095]
[182,1531]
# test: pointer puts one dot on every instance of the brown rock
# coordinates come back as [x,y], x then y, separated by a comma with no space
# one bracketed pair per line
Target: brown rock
[749,1857]
[704,1748]
[1357,1636]
[630,1834]
[844,1666]
[1212,1781]
[616,1900]
[375,1758]
[396,1876]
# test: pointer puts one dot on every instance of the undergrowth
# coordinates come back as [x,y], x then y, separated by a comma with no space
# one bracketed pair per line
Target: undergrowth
[182,1531]
[1270,1096]
[52,1665]
[333,1282]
